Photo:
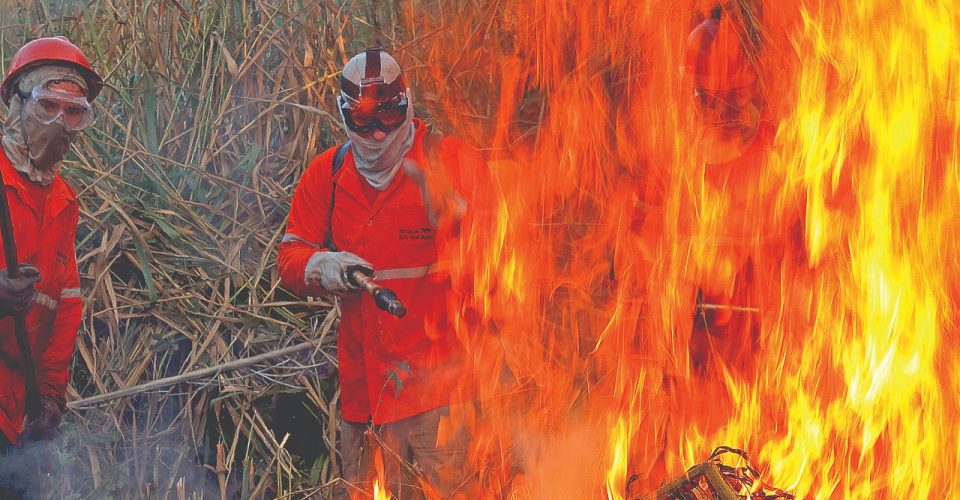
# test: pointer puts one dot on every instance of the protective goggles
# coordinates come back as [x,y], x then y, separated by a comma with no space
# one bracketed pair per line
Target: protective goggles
[365,116]
[47,106]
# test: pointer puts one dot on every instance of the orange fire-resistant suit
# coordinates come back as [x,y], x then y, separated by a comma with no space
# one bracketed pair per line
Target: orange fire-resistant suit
[389,368]
[739,248]
[45,227]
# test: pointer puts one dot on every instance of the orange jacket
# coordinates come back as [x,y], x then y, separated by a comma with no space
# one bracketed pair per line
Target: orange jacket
[390,368]
[45,238]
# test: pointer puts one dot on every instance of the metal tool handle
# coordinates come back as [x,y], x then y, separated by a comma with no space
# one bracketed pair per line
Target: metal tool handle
[19,320]
[386,298]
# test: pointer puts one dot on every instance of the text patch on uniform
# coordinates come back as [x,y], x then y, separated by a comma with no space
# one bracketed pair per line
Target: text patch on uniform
[419,233]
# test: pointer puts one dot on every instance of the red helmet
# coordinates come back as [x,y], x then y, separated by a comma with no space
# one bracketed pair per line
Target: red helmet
[716,57]
[52,50]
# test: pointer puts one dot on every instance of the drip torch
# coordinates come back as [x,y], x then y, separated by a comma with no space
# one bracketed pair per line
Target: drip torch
[386,298]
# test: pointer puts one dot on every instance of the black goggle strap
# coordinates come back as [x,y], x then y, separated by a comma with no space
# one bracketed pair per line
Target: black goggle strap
[397,100]
[372,70]
[372,85]
[378,91]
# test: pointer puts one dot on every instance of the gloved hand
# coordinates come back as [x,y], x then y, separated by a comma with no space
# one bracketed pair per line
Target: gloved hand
[17,295]
[43,427]
[329,270]
[439,197]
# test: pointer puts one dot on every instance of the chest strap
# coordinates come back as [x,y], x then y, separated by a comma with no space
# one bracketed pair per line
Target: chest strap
[431,146]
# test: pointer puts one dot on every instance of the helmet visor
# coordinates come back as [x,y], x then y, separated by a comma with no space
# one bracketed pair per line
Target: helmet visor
[47,106]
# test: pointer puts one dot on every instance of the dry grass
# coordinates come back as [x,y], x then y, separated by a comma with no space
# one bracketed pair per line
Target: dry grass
[210,113]
[212,110]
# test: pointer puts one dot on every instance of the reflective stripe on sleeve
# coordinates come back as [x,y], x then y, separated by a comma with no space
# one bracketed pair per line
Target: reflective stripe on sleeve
[65,294]
[290,237]
[46,301]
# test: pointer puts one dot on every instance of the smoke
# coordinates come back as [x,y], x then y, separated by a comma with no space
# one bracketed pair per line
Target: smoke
[95,455]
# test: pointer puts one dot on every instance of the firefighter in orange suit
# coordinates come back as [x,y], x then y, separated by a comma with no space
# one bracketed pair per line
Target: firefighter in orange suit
[48,90]
[739,233]
[372,204]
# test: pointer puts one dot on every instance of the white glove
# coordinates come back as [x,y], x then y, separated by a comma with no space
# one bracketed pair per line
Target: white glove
[329,270]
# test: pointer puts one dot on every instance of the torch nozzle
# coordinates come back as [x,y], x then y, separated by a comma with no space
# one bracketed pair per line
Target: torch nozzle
[385,298]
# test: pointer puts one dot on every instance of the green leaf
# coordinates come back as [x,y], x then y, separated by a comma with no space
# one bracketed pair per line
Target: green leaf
[315,470]
[393,375]
[164,226]
[150,114]
[145,267]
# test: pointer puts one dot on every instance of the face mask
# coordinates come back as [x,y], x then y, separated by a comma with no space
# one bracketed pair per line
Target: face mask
[47,144]
[378,157]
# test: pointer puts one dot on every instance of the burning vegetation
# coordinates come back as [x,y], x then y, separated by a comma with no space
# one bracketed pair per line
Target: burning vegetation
[711,227]
[665,279]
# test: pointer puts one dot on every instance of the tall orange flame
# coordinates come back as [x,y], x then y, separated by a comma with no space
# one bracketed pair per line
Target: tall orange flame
[839,371]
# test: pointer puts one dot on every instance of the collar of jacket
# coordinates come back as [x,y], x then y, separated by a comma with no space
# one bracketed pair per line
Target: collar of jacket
[59,196]
[353,185]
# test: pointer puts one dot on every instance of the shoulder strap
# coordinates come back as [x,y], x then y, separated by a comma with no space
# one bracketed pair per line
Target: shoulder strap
[339,156]
[334,168]
[431,150]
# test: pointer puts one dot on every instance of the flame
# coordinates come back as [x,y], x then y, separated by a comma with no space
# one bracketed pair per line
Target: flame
[581,262]
[379,493]
[380,490]
[617,471]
